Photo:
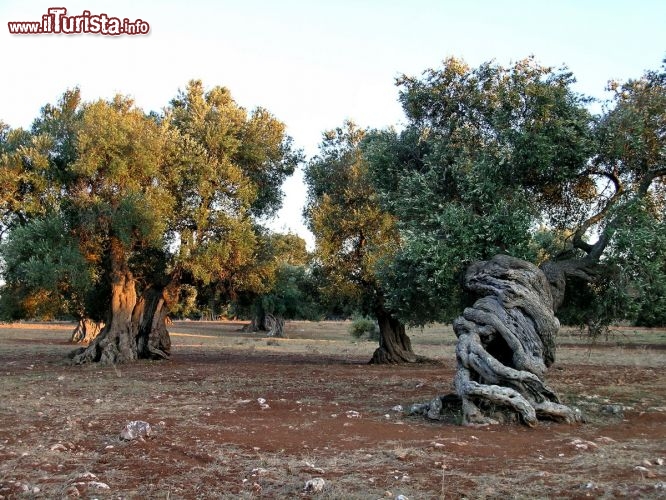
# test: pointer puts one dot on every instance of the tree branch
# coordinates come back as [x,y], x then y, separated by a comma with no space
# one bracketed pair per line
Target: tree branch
[595,251]
[646,181]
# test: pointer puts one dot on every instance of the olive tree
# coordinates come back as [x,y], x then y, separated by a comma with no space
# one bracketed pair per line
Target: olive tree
[354,235]
[490,155]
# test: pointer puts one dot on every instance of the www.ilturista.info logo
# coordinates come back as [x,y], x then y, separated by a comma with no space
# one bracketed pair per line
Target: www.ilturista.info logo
[58,22]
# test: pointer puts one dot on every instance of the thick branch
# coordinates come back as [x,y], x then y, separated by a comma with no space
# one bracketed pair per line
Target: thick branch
[648,178]
[598,248]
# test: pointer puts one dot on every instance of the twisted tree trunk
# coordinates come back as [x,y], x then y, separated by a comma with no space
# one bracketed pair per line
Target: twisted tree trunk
[116,343]
[395,346]
[506,342]
[150,318]
[269,323]
[86,331]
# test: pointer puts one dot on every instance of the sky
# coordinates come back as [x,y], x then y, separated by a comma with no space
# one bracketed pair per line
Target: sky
[314,64]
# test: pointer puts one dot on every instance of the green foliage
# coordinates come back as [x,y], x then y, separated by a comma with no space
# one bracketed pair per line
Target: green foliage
[632,159]
[251,151]
[228,167]
[293,295]
[180,193]
[280,281]
[631,132]
[638,254]
[476,166]
[187,304]
[490,154]
[363,327]
[46,274]
[353,232]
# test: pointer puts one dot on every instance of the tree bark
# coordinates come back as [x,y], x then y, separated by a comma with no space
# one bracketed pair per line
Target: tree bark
[395,346]
[559,271]
[150,318]
[274,326]
[269,323]
[116,343]
[506,342]
[86,331]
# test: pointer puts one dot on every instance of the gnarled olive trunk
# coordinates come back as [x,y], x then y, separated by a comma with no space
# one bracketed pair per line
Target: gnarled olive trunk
[506,342]
[149,316]
[264,322]
[116,343]
[86,331]
[395,345]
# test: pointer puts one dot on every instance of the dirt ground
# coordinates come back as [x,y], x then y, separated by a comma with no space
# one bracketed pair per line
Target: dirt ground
[236,415]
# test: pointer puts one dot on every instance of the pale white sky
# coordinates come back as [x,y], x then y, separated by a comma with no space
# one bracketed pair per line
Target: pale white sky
[316,63]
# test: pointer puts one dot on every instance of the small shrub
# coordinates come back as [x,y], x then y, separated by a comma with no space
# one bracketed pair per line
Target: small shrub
[364,328]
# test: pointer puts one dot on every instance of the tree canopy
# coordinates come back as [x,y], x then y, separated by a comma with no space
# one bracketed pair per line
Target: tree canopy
[493,159]
[354,234]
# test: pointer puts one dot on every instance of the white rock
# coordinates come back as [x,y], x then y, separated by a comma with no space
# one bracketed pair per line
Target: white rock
[98,485]
[86,475]
[353,414]
[261,401]
[660,461]
[398,408]
[312,467]
[314,485]
[581,444]
[135,429]
[605,440]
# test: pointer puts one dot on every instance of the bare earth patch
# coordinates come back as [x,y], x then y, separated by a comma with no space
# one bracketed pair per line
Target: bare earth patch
[235,415]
